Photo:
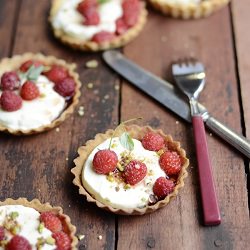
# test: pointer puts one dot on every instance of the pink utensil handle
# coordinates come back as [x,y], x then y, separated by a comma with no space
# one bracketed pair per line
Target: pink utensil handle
[208,195]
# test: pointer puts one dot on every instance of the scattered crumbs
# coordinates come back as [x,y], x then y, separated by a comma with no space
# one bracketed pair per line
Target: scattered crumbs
[42,95]
[81,111]
[92,115]
[100,237]
[106,97]
[69,205]
[176,122]
[67,159]
[80,236]
[39,190]
[90,85]
[57,129]
[164,39]
[211,134]
[91,64]
[117,87]
[96,91]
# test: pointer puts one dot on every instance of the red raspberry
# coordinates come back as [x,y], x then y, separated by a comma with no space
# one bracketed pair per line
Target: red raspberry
[152,141]
[134,172]
[66,87]
[10,81]
[163,187]
[103,36]
[105,161]
[2,234]
[121,26]
[10,101]
[18,243]
[170,162]
[91,17]
[85,5]
[56,74]
[51,221]
[29,91]
[63,241]
[131,9]
[26,65]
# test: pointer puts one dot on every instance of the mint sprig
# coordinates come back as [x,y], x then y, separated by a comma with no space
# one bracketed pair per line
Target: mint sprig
[102,1]
[32,73]
[125,139]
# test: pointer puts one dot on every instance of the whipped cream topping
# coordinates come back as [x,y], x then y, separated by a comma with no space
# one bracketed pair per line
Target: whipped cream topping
[112,192]
[70,21]
[38,112]
[28,218]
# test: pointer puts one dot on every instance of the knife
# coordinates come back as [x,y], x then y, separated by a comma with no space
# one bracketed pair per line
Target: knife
[168,96]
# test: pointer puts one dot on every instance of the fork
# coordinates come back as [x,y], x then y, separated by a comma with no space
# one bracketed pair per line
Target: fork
[190,78]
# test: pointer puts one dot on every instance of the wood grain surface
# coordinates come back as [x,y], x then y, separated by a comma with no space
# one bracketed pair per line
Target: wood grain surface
[39,166]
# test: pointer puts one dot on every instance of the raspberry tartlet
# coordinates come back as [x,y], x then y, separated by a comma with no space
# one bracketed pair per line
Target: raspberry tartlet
[131,173]
[37,93]
[93,25]
[30,225]
[188,8]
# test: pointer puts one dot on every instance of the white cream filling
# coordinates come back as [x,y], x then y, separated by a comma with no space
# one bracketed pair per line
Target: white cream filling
[28,218]
[70,21]
[38,112]
[105,191]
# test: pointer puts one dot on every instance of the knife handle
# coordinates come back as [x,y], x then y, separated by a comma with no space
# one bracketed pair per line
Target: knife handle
[208,195]
[238,141]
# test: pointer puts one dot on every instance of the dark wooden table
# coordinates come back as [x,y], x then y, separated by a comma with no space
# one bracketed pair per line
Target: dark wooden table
[39,166]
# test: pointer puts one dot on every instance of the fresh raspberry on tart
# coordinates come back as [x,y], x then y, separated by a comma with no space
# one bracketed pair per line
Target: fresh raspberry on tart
[170,162]
[37,94]
[130,186]
[32,225]
[97,24]
[153,141]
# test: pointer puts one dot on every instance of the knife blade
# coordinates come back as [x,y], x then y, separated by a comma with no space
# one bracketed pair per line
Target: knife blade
[167,95]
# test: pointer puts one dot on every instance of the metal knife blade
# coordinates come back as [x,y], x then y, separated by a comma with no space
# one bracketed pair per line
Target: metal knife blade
[166,94]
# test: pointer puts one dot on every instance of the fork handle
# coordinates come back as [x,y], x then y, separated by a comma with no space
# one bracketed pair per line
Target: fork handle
[211,211]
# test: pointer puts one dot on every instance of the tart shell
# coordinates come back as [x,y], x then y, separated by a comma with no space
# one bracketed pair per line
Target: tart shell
[188,11]
[78,44]
[137,133]
[8,64]
[37,205]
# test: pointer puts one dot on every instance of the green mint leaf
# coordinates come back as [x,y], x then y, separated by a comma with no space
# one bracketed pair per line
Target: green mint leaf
[102,1]
[126,141]
[34,72]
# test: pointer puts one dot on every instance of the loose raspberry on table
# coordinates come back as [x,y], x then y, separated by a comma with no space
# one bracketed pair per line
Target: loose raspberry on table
[10,101]
[26,65]
[134,172]
[121,26]
[10,81]
[66,87]
[170,162]
[131,10]
[152,141]
[56,74]
[163,187]
[105,161]
[51,221]
[18,243]
[103,36]
[2,234]
[63,241]
[29,91]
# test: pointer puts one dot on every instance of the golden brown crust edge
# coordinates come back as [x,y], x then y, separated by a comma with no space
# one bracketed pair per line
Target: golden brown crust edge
[14,63]
[92,46]
[37,205]
[137,133]
[189,11]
